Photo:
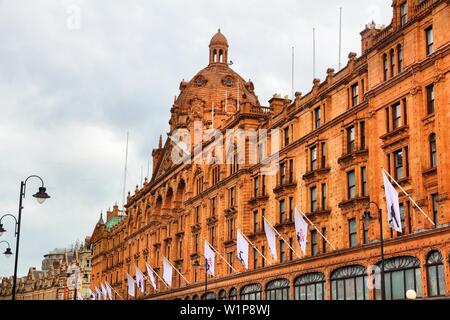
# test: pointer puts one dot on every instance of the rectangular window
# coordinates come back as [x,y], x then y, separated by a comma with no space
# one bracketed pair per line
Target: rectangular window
[291,208]
[365,233]
[353,241]
[324,155]
[230,262]
[405,112]
[291,243]
[396,116]
[400,58]
[282,251]
[402,217]
[324,196]
[282,205]
[255,258]
[263,185]
[430,99]
[197,214]
[196,243]
[363,181]
[232,197]
[429,40]
[350,139]
[255,221]
[291,171]
[313,158]
[398,165]
[433,159]
[256,186]
[286,136]
[385,67]
[362,135]
[404,13]
[324,242]
[392,58]
[355,94]
[313,198]
[263,252]
[317,118]
[435,205]
[231,226]
[351,184]
[314,246]
[282,173]
[388,123]
[263,215]
[212,234]
[213,206]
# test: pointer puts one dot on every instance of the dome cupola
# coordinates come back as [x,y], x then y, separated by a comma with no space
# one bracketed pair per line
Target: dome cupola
[218,49]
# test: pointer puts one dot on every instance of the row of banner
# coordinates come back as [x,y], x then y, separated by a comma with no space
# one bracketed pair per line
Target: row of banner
[243,244]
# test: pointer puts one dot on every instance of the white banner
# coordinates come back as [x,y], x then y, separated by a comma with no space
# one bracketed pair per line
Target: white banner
[271,239]
[104,292]
[242,249]
[209,259]
[393,207]
[140,280]
[167,271]
[109,290]
[301,229]
[130,283]
[151,275]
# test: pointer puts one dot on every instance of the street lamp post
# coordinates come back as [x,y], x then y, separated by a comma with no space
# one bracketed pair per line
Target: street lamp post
[40,196]
[366,219]
[8,253]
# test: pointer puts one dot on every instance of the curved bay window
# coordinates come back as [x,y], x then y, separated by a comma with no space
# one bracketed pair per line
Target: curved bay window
[278,290]
[233,294]
[310,286]
[209,296]
[435,274]
[349,283]
[251,292]
[400,275]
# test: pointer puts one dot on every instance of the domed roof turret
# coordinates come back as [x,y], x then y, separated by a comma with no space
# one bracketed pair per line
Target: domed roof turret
[218,40]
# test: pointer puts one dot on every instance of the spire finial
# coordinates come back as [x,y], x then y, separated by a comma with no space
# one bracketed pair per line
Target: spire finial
[160,141]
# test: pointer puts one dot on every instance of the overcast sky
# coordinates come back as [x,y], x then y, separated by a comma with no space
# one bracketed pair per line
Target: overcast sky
[68,95]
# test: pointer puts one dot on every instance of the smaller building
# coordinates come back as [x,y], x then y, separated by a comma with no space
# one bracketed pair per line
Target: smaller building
[51,283]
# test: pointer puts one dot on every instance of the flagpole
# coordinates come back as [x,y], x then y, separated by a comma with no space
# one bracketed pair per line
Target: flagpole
[255,248]
[114,291]
[298,256]
[159,277]
[214,249]
[178,271]
[317,229]
[408,196]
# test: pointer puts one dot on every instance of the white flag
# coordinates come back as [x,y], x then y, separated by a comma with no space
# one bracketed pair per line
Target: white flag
[393,207]
[130,282]
[98,293]
[79,296]
[167,271]
[271,239]
[301,229]
[151,275]
[91,294]
[242,249]
[140,280]
[109,290]
[209,259]
[103,292]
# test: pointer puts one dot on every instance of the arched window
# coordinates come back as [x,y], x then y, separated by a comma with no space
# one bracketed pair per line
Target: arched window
[251,292]
[195,297]
[401,274]
[222,295]
[310,286]
[278,290]
[349,283]
[215,55]
[220,55]
[209,296]
[433,160]
[232,295]
[385,67]
[435,275]
[400,58]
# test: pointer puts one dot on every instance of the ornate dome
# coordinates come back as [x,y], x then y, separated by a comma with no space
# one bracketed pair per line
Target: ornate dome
[218,39]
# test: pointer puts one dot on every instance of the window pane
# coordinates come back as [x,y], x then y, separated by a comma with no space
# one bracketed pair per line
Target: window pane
[432,283]
[398,285]
[340,289]
[360,288]
[320,291]
[418,282]
[350,289]
[310,292]
[302,293]
[441,280]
